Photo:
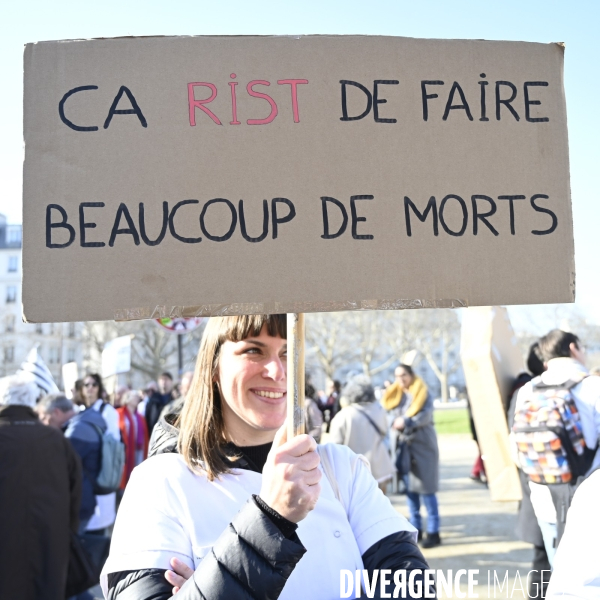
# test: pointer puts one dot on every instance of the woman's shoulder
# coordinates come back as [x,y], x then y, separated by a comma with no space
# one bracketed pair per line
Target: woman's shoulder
[162,467]
[161,479]
[170,462]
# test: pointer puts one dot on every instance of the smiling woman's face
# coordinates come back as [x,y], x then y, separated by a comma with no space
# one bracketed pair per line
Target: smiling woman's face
[253,386]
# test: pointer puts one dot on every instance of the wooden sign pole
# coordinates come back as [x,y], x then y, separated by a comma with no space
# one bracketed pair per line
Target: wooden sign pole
[295,374]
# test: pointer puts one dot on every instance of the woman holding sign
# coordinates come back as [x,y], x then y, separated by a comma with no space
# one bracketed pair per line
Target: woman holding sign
[240,510]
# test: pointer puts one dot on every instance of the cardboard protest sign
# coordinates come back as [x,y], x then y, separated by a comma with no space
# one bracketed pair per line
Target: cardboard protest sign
[116,356]
[491,361]
[191,176]
[70,374]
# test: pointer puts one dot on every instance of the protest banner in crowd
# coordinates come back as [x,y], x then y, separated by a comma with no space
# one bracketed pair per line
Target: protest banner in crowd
[192,176]
[491,360]
[116,356]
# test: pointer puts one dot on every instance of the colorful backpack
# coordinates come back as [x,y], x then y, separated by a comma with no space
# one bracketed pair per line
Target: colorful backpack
[548,434]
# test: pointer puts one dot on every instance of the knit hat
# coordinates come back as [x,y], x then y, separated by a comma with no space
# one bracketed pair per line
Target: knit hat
[358,389]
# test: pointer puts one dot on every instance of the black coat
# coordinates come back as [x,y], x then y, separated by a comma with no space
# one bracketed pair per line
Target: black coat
[164,436]
[154,406]
[40,489]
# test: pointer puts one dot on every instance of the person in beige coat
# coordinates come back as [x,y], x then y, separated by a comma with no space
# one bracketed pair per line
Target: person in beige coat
[362,426]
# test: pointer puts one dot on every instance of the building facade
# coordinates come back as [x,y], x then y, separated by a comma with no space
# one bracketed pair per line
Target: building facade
[58,343]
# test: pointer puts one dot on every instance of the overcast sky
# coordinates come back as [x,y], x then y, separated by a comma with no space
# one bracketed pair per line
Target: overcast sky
[574,22]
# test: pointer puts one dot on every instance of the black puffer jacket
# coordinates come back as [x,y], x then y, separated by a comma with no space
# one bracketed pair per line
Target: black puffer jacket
[251,559]
[164,436]
[254,556]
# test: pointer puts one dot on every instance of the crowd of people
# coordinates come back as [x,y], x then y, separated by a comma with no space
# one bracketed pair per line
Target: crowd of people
[228,414]
[53,484]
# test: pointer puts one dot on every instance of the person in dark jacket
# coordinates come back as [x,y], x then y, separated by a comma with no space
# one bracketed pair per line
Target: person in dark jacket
[85,431]
[40,489]
[165,434]
[239,504]
[158,400]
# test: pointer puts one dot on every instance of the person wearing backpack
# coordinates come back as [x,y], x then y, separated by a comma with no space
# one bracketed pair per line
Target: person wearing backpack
[527,528]
[93,393]
[557,453]
[81,432]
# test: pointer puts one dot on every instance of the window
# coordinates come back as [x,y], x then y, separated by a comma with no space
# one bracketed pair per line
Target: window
[51,328]
[13,262]
[13,234]
[39,328]
[9,354]
[10,323]
[53,355]
[71,355]
[11,293]
[71,330]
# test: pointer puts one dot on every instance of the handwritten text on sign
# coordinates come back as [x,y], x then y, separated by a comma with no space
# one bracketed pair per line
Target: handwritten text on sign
[478,210]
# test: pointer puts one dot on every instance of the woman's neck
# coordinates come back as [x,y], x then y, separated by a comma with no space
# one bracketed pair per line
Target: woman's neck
[240,433]
[243,439]
[90,402]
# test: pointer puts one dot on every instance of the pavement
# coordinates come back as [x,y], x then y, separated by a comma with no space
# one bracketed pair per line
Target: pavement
[476,532]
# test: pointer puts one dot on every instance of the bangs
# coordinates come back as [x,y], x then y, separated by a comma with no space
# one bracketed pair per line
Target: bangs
[238,328]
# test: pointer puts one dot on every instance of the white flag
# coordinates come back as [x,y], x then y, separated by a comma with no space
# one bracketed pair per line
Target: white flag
[39,373]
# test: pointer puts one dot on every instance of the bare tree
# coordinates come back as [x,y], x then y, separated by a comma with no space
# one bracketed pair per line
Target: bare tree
[435,333]
[153,349]
[95,335]
[375,340]
[328,341]
[374,354]
[441,347]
